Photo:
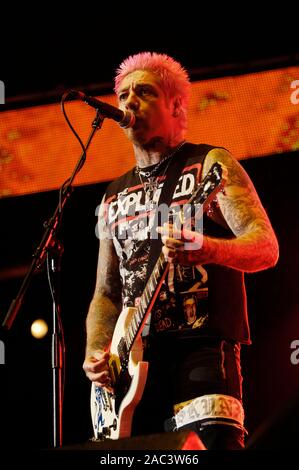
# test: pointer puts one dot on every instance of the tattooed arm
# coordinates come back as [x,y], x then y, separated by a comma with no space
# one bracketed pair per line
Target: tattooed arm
[102,315]
[254,247]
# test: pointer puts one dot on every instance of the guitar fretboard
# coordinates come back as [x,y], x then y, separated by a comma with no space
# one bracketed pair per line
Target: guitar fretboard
[145,300]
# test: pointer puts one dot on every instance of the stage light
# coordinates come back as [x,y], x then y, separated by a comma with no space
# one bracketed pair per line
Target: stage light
[39,328]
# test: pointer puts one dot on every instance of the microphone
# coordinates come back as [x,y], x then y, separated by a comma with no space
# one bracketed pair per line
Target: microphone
[124,118]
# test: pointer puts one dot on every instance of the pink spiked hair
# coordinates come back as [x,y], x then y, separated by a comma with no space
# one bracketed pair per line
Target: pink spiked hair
[173,77]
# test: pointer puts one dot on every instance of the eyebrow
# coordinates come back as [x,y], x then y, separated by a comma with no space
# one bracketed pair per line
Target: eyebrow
[138,85]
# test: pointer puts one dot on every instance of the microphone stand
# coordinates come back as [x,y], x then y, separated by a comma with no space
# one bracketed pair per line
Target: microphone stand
[51,248]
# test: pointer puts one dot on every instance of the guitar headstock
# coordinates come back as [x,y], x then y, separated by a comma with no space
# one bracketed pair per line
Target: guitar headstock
[213,182]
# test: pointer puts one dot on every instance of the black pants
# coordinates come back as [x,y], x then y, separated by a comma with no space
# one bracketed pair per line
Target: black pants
[183,369]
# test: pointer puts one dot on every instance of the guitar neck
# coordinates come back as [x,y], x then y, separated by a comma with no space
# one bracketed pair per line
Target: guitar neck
[147,300]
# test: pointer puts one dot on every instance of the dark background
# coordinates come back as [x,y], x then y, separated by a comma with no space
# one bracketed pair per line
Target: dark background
[43,60]
[54,50]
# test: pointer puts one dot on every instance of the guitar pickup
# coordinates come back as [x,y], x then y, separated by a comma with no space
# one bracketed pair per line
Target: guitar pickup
[115,366]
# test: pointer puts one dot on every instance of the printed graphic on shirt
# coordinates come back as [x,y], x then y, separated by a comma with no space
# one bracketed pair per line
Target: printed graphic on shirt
[182,300]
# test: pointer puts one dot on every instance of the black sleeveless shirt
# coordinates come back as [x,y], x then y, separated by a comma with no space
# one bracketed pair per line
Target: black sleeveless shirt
[208,300]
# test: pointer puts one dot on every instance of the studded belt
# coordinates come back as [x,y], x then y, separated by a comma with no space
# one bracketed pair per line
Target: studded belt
[210,408]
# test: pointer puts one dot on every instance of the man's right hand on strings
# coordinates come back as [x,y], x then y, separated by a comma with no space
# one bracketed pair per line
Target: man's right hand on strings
[96,368]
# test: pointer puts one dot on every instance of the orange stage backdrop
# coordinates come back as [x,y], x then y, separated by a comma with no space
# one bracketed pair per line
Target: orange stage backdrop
[251,115]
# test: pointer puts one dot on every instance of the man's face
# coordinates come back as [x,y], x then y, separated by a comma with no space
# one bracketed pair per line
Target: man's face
[190,310]
[162,295]
[141,92]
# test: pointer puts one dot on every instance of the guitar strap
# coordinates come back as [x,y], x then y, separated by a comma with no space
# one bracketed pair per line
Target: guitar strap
[171,178]
[175,169]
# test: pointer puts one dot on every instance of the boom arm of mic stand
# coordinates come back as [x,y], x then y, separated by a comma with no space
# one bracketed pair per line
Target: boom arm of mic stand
[48,240]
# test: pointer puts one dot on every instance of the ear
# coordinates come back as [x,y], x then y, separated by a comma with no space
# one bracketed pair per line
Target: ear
[177,104]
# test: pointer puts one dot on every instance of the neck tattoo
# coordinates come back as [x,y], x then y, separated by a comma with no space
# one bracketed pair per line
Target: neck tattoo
[151,185]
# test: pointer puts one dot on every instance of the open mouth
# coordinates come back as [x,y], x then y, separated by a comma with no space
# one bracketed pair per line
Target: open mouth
[137,123]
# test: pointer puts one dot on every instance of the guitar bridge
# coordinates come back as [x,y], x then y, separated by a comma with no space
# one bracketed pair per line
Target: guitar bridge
[106,431]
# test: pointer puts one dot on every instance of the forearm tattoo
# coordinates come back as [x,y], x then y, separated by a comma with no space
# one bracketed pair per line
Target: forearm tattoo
[106,303]
[255,246]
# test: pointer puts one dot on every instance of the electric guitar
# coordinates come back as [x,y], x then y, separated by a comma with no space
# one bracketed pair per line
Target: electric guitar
[112,413]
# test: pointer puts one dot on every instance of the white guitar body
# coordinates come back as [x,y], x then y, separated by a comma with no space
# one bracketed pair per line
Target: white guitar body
[109,421]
